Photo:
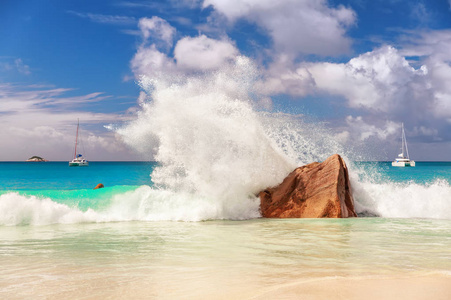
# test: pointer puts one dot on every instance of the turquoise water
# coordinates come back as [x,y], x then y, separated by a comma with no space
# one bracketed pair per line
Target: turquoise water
[61,239]
[58,176]
[74,186]
[423,173]
[379,190]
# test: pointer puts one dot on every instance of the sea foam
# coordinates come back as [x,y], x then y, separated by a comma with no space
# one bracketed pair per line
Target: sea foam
[143,204]
[390,200]
[403,200]
[17,209]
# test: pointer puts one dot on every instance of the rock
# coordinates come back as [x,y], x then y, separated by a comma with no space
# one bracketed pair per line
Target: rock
[36,158]
[317,190]
[99,186]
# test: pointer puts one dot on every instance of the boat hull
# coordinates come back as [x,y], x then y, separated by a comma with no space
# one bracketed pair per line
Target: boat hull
[403,163]
[78,164]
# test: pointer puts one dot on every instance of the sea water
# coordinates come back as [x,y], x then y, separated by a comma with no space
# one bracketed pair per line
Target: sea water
[59,238]
[188,226]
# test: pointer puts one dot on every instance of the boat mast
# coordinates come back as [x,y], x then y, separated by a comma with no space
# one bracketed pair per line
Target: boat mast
[405,141]
[402,140]
[76,139]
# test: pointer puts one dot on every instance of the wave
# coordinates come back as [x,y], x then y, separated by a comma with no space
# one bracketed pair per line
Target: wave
[403,200]
[16,209]
[145,203]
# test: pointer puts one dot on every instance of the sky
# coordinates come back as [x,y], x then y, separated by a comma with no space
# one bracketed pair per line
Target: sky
[358,67]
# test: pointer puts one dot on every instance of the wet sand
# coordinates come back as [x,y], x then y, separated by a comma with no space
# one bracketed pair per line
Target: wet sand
[427,287]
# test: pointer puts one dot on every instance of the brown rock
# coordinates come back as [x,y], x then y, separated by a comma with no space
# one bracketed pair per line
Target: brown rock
[99,186]
[317,190]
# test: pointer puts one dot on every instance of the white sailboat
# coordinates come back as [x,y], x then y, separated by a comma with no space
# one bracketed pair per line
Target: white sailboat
[402,160]
[78,160]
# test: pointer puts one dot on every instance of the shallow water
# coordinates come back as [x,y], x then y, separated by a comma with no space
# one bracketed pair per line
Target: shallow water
[214,259]
[133,240]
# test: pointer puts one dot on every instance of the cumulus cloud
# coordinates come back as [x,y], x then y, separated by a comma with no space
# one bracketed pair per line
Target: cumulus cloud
[383,84]
[379,80]
[151,62]
[282,78]
[433,49]
[295,27]
[203,53]
[190,54]
[380,85]
[157,29]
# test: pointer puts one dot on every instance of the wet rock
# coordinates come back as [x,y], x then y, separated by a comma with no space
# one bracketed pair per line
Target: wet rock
[316,190]
[36,158]
[99,186]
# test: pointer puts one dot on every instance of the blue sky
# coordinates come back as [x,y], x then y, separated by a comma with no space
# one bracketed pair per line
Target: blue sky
[360,67]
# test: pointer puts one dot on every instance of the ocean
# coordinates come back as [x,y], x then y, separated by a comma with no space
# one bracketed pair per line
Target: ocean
[138,239]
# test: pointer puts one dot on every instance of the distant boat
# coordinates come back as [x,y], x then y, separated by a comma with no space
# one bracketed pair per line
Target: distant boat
[403,159]
[78,160]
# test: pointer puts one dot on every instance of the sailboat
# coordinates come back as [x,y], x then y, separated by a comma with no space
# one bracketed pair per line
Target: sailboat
[403,159]
[78,160]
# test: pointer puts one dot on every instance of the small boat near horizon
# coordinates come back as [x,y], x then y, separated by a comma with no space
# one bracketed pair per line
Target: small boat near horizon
[79,160]
[403,159]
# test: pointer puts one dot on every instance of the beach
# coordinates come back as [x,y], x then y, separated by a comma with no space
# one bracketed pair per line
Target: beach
[252,259]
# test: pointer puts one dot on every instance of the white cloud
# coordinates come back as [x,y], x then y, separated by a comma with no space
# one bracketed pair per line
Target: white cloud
[371,81]
[21,67]
[434,44]
[421,14]
[41,121]
[440,78]
[295,27]
[281,78]
[363,130]
[151,62]
[105,19]
[15,64]
[158,29]
[191,54]
[203,53]
[379,80]
[381,85]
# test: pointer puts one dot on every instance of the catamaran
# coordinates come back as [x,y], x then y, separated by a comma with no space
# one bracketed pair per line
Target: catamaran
[78,160]
[402,160]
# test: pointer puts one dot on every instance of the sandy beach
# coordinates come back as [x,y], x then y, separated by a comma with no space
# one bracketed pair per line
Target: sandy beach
[436,287]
